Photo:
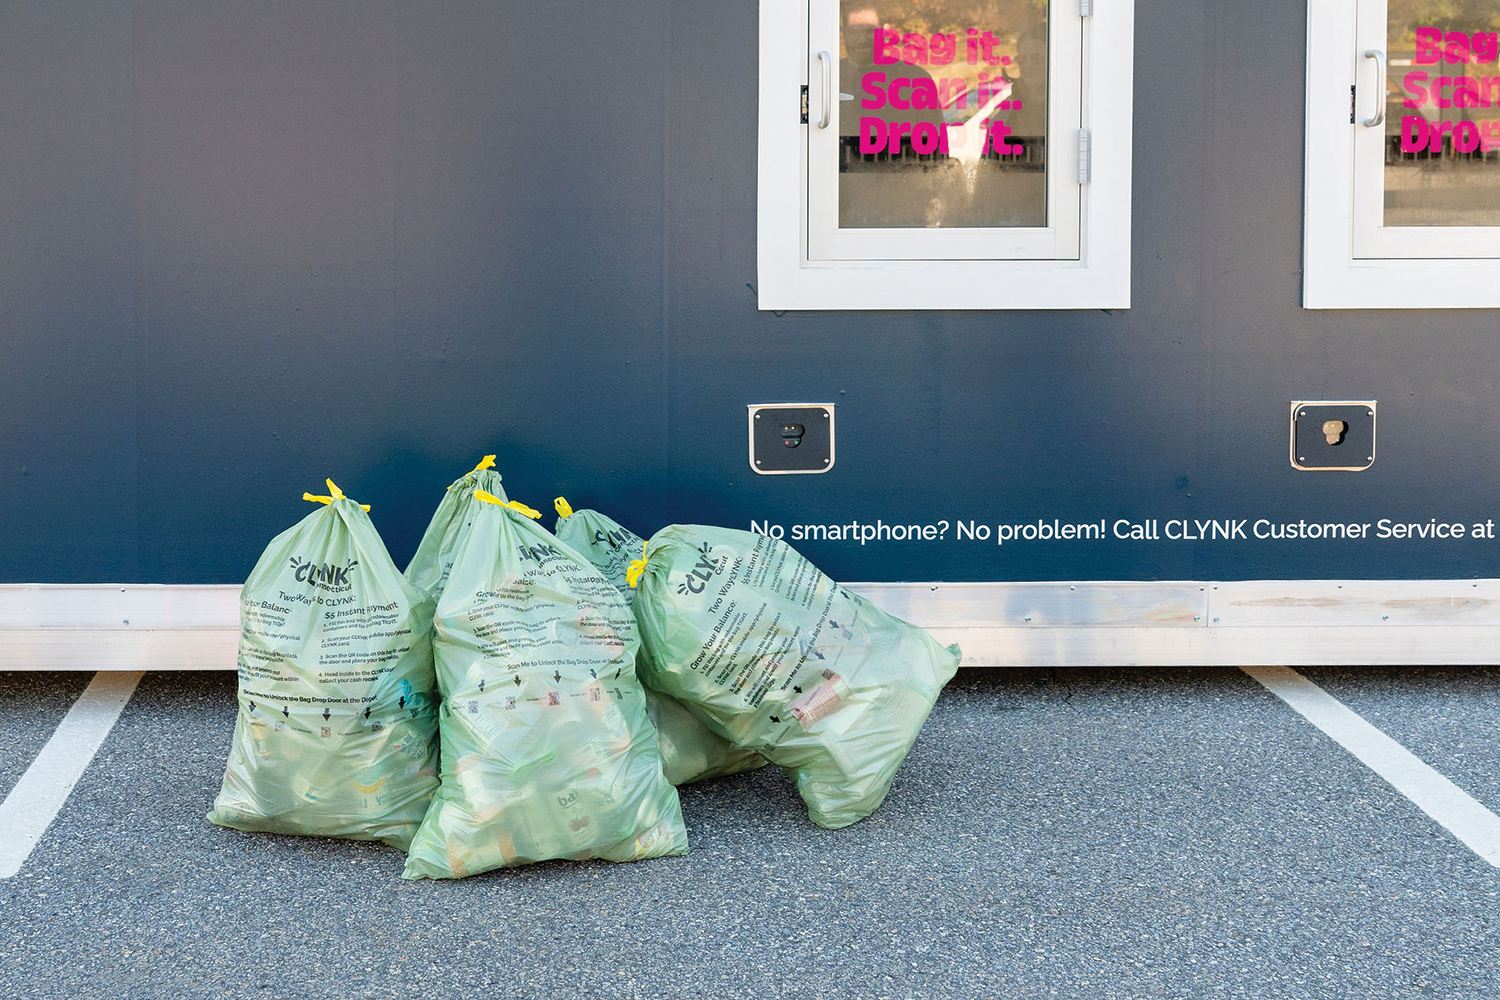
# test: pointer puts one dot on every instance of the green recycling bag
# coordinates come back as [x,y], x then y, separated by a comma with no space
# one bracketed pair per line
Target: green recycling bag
[337,728]
[546,748]
[690,751]
[603,541]
[428,569]
[775,656]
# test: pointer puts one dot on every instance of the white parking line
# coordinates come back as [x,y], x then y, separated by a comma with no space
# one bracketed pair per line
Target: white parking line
[1453,808]
[36,798]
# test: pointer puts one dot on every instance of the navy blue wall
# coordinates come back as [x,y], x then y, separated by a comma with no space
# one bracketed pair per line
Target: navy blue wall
[245,246]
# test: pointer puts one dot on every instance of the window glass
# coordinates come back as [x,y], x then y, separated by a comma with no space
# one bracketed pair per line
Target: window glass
[942,114]
[1442,120]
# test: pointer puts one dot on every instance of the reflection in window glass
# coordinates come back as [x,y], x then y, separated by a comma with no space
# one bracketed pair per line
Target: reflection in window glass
[1442,123]
[942,113]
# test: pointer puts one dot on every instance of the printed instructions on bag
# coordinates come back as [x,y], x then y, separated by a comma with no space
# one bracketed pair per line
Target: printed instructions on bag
[749,648]
[356,643]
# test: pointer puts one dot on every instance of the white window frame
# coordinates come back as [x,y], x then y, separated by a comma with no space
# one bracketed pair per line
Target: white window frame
[1340,238]
[1099,278]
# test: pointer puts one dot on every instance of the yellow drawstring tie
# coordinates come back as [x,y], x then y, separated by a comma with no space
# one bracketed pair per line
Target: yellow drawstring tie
[334,494]
[512,504]
[488,462]
[563,510]
[637,567]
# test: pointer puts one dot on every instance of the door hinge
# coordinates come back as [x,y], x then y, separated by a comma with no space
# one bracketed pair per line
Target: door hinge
[1085,8]
[804,104]
[1084,156]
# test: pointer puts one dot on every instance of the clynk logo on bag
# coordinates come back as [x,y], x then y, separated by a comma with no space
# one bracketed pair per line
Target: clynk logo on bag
[325,576]
[614,538]
[540,552]
[698,577]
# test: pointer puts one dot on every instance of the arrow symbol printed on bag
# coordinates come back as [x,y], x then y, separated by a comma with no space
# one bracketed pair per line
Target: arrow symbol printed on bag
[325,715]
[797,688]
[367,711]
[557,676]
[402,702]
[286,712]
[775,718]
[518,680]
[481,683]
[252,706]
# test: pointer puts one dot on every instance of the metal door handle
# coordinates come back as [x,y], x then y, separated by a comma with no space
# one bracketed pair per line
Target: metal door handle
[1379,58]
[826,61]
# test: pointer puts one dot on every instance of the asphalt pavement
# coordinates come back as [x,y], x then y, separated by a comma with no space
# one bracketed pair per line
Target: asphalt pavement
[1054,833]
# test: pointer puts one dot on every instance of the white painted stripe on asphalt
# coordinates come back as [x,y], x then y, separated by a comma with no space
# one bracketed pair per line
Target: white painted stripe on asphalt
[1450,806]
[31,805]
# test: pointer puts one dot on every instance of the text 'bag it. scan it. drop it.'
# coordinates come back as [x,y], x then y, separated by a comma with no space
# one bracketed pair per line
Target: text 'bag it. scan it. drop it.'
[337,726]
